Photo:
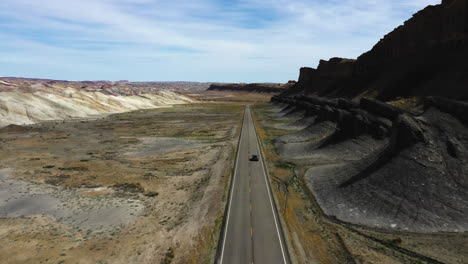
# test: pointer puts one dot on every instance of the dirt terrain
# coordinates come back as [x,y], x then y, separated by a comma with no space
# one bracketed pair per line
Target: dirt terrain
[231,96]
[140,187]
[315,237]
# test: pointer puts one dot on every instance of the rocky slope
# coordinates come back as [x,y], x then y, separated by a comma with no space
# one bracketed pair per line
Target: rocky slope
[416,59]
[383,166]
[27,101]
[252,87]
[375,164]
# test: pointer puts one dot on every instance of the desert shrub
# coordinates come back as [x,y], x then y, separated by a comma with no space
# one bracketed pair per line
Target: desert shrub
[129,187]
[151,194]
[74,169]
[168,257]
[285,165]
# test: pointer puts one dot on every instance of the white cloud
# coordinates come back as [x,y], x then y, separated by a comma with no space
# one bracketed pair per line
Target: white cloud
[255,40]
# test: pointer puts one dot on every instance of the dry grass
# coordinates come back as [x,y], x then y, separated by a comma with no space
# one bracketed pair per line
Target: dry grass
[410,103]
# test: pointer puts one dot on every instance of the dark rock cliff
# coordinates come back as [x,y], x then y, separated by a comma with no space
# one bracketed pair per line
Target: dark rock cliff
[329,76]
[380,165]
[427,56]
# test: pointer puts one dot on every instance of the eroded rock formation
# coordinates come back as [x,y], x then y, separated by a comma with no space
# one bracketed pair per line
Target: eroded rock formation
[327,77]
[384,166]
[28,101]
[428,52]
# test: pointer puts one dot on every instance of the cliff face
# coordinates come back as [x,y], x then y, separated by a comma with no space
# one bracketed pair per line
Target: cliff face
[306,74]
[328,76]
[336,68]
[386,166]
[441,27]
[423,57]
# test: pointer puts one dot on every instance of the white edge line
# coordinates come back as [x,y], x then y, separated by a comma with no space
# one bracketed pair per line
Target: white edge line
[269,193]
[233,186]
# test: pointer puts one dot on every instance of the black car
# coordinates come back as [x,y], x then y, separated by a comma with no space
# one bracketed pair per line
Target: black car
[254,158]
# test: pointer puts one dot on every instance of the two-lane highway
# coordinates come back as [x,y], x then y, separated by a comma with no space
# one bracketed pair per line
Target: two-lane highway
[252,233]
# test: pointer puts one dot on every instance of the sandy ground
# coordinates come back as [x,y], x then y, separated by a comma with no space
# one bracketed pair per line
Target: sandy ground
[141,187]
[21,198]
[314,238]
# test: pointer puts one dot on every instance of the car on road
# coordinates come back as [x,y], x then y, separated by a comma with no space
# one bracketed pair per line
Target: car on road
[254,158]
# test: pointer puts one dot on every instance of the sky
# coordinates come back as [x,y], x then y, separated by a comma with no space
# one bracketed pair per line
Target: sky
[189,40]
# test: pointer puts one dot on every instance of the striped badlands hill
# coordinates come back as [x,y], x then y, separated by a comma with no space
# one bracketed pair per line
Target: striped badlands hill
[29,101]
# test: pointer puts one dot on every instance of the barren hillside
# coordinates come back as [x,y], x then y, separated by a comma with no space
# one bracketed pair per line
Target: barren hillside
[29,101]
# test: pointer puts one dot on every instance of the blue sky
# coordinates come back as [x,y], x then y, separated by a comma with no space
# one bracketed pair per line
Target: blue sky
[182,40]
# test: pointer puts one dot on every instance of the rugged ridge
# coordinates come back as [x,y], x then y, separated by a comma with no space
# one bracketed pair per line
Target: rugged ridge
[415,59]
[386,167]
[328,76]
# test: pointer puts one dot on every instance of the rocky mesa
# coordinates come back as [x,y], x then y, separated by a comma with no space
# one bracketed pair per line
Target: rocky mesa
[386,135]
[416,59]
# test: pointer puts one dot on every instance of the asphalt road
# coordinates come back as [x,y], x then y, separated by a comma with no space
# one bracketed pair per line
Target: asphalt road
[252,231]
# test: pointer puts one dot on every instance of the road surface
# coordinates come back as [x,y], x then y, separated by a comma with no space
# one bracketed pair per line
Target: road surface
[252,233]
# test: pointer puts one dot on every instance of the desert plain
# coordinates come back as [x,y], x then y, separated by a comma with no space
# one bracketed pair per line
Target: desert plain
[147,186]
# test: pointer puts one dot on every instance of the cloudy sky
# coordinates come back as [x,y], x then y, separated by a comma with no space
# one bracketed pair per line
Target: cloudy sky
[188,40]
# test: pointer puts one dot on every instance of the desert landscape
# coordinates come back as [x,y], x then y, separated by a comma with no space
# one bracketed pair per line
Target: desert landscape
[141,187]
[362,160]
[369,155]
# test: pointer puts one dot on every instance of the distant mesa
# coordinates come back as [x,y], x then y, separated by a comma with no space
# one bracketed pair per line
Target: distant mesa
[123,87]
[252,87]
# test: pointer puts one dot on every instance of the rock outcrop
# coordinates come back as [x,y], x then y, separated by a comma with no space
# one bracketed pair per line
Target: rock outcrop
[327,77]
[306,74]
[383,166]
[416,59]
